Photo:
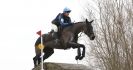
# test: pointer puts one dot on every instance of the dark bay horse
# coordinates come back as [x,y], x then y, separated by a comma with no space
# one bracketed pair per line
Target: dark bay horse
[68,39]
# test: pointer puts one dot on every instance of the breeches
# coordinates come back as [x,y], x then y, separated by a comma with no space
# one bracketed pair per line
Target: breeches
[55,28]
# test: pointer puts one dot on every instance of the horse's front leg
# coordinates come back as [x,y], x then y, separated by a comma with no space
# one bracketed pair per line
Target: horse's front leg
[78,53]
[76,45]
[83,52]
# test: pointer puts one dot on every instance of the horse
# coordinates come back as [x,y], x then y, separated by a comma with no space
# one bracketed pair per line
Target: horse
[68,39]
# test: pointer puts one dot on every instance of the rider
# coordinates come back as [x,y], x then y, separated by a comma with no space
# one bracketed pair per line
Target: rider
[61,21]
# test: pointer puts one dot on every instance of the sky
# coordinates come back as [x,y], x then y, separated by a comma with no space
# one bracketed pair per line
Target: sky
[19,22]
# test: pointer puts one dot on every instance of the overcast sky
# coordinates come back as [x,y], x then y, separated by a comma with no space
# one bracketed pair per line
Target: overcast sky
[19,22]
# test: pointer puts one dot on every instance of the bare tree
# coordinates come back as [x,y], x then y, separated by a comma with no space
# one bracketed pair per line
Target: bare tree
[113,46]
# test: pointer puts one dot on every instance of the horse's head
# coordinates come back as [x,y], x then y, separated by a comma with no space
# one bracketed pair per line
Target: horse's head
[88,29]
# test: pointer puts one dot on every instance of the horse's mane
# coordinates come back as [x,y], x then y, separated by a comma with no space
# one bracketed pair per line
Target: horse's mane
[78,22]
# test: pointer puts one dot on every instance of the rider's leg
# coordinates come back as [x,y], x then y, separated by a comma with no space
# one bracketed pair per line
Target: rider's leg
[56,33]
[54,28]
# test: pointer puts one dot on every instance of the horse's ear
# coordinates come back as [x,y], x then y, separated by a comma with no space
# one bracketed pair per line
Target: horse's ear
[86,20]
[91,21]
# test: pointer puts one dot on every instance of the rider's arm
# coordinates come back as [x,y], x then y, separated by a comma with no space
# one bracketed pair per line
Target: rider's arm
[62,23]
[61,20]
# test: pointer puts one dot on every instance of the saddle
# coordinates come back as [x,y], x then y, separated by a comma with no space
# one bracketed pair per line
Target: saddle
[51,36]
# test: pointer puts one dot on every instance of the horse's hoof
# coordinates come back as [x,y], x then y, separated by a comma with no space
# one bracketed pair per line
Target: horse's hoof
[77,57]
[80,58]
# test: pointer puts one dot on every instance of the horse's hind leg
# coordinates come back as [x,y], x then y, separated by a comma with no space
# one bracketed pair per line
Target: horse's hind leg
[47,52]
[35,59]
